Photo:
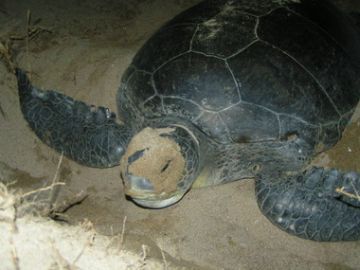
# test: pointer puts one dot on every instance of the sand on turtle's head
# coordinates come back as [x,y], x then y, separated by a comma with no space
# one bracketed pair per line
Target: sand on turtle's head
[160,162]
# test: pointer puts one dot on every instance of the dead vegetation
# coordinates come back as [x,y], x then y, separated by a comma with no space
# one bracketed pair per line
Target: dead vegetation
[67,247]
[343,192]
[33,30]
[62,246]
[49,206]
[30,202]
[7,55]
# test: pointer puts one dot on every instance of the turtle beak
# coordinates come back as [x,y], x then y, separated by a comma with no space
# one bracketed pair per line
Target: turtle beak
[137,186]
[158,204]
[142,192]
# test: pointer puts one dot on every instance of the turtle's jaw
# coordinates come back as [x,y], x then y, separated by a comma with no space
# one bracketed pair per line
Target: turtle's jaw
[157,204]
[142,192]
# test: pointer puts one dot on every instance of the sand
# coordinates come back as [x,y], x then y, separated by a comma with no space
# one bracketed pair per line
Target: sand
[82,48]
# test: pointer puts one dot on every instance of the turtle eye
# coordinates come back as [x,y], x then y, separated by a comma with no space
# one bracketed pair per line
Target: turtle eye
[134,157]
[166,166]
[255,168]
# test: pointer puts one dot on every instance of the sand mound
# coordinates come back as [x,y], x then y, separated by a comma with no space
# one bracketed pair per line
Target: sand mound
[33,242]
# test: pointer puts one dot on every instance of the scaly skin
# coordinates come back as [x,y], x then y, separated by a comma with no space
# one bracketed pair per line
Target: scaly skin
[86,134]
[311,205]
[316,204]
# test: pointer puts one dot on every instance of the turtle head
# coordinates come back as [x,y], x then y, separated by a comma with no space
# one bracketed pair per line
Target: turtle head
[160,165]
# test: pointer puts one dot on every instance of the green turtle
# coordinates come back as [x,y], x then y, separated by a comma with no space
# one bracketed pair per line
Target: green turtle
[227,90]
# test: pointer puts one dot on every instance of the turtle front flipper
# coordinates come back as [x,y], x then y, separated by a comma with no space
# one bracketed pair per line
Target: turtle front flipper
[318,204]
[86,134]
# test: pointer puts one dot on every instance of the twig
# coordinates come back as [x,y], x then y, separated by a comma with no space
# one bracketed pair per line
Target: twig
[143,256]
[58,168]
[66,205]
[122,234]
[166,266]
[41,190]
[14,255]
[61,262]
[9,184]
[48,209]
[87,225]
[32,30]
[8,205]
[28,29]
[348,194]
[54,193]
[54,211]
[355,190]
[8,212]
[88,243]
[50,198]
[57,210]
[5,53]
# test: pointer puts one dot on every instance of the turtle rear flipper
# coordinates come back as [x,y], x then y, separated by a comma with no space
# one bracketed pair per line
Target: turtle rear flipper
[86,134]
[317,204]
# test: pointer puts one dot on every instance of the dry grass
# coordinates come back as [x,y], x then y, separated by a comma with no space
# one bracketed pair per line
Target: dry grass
[8,214]
[49,207]
[85,245]
[6,55]
[62,247]
[67,247]
[354,195]
[342,191]
[33,30]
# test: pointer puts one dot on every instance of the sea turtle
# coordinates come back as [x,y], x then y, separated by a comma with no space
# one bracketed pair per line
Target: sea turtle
[227,90]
